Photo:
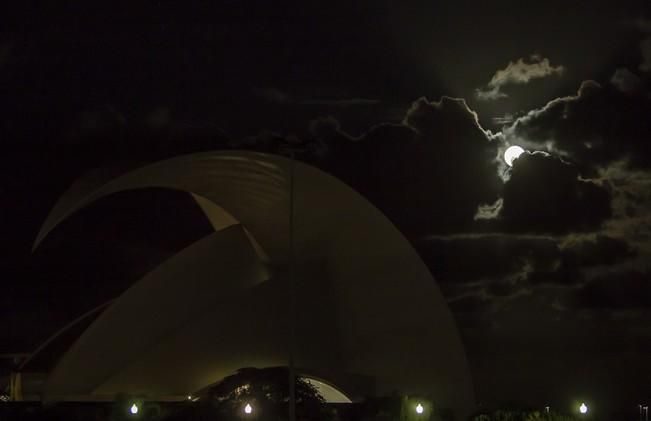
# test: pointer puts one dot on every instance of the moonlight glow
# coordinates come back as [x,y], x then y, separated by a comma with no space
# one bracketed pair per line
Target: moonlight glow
[512,153]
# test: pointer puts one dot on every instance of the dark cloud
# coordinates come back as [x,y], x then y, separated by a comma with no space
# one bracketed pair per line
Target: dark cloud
[442,117]
[627,81]
[617,290]
[495,267]
[495,257]
[482,276]
[502,288]
[598,126]
[455,162]
[545,194]
[437,173]
[328,130]
[579,256]
[562,274]
[427,174]
[602,250]
[383,151]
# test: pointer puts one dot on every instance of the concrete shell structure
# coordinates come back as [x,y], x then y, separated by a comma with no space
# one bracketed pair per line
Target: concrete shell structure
[369,316]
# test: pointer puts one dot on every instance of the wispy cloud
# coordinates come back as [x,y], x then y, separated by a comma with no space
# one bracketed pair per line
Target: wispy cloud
[502,120]
[489,211]
[517,73]
[626,81]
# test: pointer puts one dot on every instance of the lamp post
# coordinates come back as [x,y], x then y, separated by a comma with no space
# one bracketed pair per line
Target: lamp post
[583,409]
[420,409]
[292,294]
[248,409]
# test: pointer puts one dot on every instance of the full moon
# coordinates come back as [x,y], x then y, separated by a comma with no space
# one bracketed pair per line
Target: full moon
[511,153]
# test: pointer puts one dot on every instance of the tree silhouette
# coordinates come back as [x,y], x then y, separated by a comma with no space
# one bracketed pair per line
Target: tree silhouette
[267,392]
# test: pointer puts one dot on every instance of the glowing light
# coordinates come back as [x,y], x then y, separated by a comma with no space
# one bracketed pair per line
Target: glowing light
[583,408]
[189,397]
[512,153]
[134,409]
[419,409]
[248,409]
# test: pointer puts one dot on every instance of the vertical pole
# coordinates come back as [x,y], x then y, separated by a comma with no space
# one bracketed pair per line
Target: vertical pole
[292,296]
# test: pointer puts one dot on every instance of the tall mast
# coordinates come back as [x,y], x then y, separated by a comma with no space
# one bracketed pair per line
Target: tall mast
[292,295]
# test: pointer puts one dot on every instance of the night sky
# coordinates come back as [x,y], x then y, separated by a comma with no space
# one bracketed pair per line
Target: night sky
[546,265]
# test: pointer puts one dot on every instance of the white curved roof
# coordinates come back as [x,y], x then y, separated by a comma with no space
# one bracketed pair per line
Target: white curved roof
[367,305]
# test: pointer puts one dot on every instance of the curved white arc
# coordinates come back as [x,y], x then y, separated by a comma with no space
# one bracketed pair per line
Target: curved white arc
[61,331]
[247,190]
[220,219]
[358,281]
[169,297]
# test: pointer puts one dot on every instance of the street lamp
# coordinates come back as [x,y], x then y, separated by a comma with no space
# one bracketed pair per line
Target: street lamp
[583,409]
[248,409]
[419,409]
